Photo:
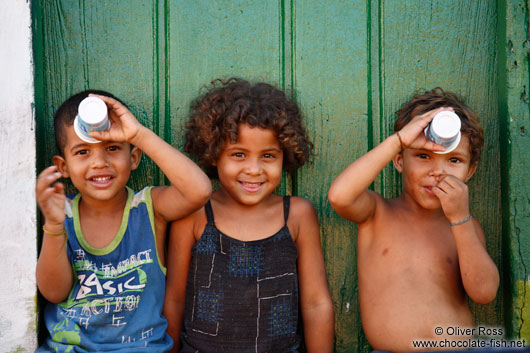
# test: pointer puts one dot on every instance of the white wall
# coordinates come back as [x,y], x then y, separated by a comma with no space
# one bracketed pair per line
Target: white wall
[18,248]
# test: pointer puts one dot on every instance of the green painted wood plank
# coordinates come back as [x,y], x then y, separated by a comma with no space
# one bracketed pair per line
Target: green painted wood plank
[209,40]
[330,77]
[514,85]
[101,45]
[452,44]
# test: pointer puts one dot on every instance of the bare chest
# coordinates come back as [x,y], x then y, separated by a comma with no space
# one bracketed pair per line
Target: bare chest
[409,251]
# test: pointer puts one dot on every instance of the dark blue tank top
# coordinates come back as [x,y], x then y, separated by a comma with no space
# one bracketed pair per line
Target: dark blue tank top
[242,296]
[115,304]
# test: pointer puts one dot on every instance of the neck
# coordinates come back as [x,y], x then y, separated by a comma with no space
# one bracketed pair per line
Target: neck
[407,202]
[104,207]
[224,198]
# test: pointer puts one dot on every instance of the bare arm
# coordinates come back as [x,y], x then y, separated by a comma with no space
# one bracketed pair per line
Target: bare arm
[54,271]
[348,194]
[181,240]
[190,187]
[315,300]
[479,273]
[480,276]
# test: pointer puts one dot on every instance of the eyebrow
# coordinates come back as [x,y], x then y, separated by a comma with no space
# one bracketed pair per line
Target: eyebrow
[270,149]
[77,146]
[459,154]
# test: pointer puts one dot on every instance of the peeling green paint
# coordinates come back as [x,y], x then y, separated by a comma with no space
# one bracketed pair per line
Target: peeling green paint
[523,302]
[32,308]
[513,83]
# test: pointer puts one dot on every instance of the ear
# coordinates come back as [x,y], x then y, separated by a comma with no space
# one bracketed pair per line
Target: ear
[136,157]
[214,163]
[398,161]
[61,165]
[471,171]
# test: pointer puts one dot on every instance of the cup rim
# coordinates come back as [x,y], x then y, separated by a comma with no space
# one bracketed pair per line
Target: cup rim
[452,146]
[80,134]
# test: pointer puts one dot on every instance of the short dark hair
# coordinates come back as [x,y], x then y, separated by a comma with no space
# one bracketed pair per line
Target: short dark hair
[217,114]
[421,103]
[66,113]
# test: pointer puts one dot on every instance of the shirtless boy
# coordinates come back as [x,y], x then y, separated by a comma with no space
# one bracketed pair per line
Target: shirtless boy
[420,253]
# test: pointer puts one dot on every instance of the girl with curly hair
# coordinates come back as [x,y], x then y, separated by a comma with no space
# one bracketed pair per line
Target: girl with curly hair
[242,268]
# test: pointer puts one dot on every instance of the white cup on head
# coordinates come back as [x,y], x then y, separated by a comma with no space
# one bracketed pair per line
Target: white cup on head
[91,116]
[444,130]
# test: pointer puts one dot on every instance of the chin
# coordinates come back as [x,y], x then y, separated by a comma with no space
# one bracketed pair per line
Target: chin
[431,205]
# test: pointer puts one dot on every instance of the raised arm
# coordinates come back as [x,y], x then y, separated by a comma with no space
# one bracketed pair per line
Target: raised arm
[54,271]
[181,240]
[315,301]
[349,195]
[190,187]
[480,276]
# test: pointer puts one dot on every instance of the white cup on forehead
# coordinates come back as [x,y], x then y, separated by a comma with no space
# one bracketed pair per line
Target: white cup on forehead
[444,130]
[91,116]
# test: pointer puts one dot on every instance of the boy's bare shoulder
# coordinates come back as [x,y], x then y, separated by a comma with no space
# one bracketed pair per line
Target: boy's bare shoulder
[382,206]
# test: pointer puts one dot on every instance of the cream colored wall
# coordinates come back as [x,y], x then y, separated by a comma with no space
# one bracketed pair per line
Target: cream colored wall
[18,248]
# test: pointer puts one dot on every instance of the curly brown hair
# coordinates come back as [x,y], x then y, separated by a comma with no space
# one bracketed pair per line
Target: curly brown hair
[421,103]
[217,114]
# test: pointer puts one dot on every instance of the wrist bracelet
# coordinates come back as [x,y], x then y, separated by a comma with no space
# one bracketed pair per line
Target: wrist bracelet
[56,234]
[400,141]
[461,222]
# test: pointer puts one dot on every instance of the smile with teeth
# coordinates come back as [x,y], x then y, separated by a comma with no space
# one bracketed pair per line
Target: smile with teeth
[101,179]
[251,186]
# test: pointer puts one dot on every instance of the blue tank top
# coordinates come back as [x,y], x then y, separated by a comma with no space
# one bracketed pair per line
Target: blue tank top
[242,296]
[116,301]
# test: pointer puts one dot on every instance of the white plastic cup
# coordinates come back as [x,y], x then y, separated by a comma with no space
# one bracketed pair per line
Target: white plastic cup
[444,130]
[91,116]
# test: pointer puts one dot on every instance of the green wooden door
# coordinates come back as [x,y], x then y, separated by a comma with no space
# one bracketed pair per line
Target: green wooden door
[350,65]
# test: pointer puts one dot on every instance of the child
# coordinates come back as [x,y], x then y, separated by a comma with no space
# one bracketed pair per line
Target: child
[102,260]
[238,267]
[418,254]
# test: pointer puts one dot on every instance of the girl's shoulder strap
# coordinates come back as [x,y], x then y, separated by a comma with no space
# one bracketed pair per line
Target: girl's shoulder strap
[209,212]
[286,204]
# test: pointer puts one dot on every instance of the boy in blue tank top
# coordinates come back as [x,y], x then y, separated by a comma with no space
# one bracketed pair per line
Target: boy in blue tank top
[102,263]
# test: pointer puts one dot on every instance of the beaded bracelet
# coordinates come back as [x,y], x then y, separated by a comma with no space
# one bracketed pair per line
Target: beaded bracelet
[461,222]
[55,234]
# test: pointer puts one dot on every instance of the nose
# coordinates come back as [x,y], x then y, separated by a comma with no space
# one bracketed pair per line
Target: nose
[253,166]
[437,169]
[99,158]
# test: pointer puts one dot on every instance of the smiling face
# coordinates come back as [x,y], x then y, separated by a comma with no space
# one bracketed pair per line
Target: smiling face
[99,171]
[423,169]
[250,169]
